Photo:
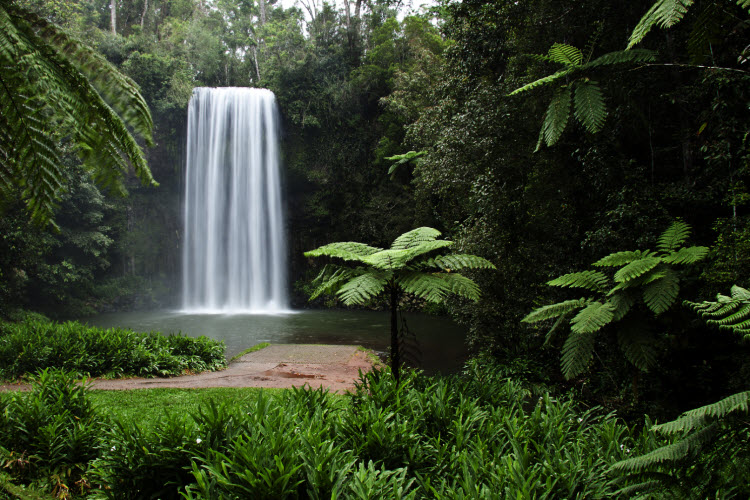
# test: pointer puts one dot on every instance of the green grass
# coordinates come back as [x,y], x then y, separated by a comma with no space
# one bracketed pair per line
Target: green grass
[256,347]
[147,406]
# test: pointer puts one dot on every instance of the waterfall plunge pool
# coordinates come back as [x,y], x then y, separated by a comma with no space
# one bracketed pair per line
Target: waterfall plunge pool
[440,340]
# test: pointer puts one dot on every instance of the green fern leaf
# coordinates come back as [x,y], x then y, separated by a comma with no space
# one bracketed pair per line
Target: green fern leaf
[675,235]
[577,353]
[462,286]
[589,108]
[619,259]
[457,262]
[660,294]
[331,278]
[621,302]
[345,250]
[592,318]
[621,57]
[636,269]
[553,310]
[398,259]
[543,81]
[688,255]
[745,4]
[665,13]
[564,318]
[415,237]
[590,280]
[556,117]
[361,289]
[429,287]
[739,316]
[669,453]
[636,343]
[696,418]
[565,54]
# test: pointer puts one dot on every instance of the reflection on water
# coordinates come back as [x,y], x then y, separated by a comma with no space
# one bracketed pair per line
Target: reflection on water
[440,340]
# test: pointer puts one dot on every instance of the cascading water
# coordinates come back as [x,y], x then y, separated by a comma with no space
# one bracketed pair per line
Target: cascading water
[234,258]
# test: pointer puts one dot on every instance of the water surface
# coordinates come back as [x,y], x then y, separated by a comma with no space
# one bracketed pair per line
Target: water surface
[440,340]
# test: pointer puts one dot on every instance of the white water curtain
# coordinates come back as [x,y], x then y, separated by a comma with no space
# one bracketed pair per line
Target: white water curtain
[234,258]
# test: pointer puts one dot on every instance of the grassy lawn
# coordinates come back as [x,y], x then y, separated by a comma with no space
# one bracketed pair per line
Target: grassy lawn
[146,406]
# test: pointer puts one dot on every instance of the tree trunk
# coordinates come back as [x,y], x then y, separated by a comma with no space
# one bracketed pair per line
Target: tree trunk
[113,15]
[255,58]
[262,5]
[145,9]
[395,358]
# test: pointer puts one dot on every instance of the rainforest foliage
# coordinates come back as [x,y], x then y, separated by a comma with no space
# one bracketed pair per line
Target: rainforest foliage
[540,135]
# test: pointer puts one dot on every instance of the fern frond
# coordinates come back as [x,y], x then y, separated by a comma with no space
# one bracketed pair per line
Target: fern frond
[669,453]
[674,236]
[592,318]
[565,54]
[619,259]
[553,310]
[621,57]
[543,81]
[636,269]
[331,278]
[660,294]
[590,280]
[589,108]
[364,287]
[745,4]
[398,259]
[462,286]
[665,13]
[621,302]
[457,262]
[637,345]
[556,118]
[696,418]
[741,314]
[415,237]
[429,287]
[345,250]
[689,255]
[705,30]
[739,293]
[577,353]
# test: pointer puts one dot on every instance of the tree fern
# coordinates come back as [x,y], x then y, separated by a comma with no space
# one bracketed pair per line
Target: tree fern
[556,117]
[643,276]
[417,263]
[728,313]
[589,105]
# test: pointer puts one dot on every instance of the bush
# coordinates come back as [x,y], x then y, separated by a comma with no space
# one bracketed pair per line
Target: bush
[89,351]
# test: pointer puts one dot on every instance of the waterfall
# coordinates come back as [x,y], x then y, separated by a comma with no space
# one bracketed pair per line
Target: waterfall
[234,253]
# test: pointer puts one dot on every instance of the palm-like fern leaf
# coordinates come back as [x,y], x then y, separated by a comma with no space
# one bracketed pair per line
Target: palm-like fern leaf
[553,310]
[426,286]
[618,259]
[345,250]
[636,269]
[696,418]
[592,318]
[621,57]
[637,345]
[665,13]
[565,54]
[400,258]
[590,280]
[415,237]
[577,353]
[77,94]
[556,117]
[542,81]
[660,294]
[729,313]
[621,302]
[456,262]
[675,235]
[688,255]
[364,287]
[331,278]
[462,286]
[669,453]
[589,108]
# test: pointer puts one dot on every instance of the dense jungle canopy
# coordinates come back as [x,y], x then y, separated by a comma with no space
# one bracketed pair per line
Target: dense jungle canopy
[626,130]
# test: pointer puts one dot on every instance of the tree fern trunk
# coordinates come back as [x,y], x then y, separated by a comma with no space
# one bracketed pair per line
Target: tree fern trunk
[395,358]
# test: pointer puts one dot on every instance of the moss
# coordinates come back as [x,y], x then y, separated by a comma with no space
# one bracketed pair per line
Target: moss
[256,347]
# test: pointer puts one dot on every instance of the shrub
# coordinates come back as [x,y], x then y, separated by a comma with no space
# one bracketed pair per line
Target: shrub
[90,351]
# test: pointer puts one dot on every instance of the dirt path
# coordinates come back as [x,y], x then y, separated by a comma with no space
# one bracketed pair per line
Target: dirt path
[333,367]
